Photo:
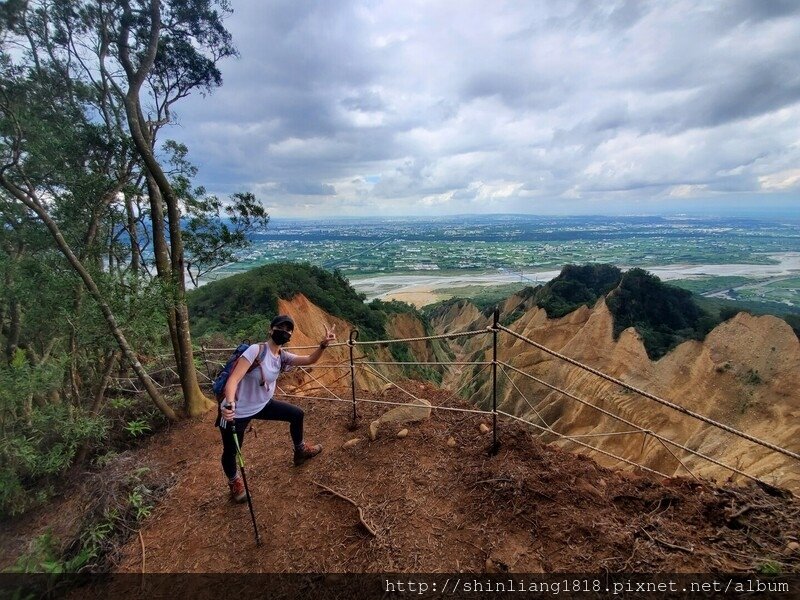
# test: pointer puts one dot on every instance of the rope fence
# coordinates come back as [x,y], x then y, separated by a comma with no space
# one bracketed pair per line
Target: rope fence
[367,366]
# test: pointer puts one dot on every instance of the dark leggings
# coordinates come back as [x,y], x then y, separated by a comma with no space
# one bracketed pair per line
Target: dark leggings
[275,410]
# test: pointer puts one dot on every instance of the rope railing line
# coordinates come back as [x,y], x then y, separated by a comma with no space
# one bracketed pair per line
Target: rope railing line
[609,434]
[231,349]
[440,336]
[377,362]
[390,403]
[367,366]
[609,454]
[675,456]
[387,380]
[524,397]
[432,406]
[653,397]
[209,379]
[302,387]
[151,373]
[318,381]
[569,437]
[632,424]
[454,334]
[457,393]
[574,397]
[284,395]
[330,366]
[315,346]
[125,390]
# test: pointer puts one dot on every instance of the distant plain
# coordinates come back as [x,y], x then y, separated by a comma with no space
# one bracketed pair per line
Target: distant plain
[423,260]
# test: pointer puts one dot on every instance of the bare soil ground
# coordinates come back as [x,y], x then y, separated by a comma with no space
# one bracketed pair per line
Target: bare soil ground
[433,507]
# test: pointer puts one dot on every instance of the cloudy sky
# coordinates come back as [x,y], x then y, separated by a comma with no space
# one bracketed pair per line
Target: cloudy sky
[407,107]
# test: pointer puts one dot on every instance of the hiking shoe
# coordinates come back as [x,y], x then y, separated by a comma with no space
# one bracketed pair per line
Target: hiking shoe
[306,451]
[238,493]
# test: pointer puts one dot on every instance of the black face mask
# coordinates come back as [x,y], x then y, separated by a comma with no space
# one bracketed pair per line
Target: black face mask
[280,337]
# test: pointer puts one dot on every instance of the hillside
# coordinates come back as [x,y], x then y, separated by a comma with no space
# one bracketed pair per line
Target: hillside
[436,507]
[745,374]
[438,501]
[664,315]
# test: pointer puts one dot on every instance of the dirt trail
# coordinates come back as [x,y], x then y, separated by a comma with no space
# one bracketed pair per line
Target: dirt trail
[531,508]
[437,507]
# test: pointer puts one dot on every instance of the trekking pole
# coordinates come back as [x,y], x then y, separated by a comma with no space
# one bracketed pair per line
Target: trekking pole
[240,461]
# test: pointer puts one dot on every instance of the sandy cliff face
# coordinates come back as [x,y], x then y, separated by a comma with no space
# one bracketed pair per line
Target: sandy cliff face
[310,322]
[746,374]
[404,325]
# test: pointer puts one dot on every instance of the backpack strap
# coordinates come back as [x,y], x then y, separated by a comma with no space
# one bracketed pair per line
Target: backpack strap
[282,356]
[262,351]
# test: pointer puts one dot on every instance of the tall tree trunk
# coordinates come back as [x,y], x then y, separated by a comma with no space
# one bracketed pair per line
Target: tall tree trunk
[161,251]
[133,235]
[194,401]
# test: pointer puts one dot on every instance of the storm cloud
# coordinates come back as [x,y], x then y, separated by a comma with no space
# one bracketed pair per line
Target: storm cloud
[411,107]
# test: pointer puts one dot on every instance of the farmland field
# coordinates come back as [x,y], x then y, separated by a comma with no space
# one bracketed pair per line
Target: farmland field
[424,260]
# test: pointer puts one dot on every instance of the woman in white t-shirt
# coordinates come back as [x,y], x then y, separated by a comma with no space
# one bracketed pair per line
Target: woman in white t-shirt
[248,395]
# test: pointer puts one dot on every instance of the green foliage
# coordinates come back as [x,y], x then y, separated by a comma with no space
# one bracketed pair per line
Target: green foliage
[576,286]
[138,501]
[241,306]
[124,504]
[44,555]
[663,315]
[39,439]
[137,427]
[769,567]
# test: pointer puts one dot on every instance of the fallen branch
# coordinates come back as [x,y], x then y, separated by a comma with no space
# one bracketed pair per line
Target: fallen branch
[690,550]
[740,512]
[360,510]
[493,480]
[141,541]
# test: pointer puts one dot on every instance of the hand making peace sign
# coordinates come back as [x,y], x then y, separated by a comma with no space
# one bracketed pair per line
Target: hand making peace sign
[330,336]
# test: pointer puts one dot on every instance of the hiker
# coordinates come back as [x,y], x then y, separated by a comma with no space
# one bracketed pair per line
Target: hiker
[249,395]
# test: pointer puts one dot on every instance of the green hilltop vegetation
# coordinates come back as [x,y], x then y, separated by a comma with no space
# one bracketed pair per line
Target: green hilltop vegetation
[663,314]
[241,306]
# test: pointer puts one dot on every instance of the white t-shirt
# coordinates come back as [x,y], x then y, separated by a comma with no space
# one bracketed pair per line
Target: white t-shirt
[251,396]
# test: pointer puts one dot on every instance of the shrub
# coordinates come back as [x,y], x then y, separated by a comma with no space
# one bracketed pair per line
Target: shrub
[40,440]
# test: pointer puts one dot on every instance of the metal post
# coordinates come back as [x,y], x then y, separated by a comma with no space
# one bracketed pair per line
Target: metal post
[495,322]
[352,344]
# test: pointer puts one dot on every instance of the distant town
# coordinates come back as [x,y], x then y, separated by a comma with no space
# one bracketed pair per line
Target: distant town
[736,258]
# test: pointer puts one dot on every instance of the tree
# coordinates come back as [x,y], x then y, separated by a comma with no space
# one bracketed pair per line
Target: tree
[165,55]
[117,68]
[55,161]
[210,242]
